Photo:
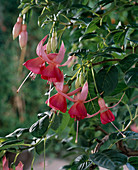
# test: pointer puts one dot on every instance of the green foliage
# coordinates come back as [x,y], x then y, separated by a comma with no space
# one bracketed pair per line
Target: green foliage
[110,159]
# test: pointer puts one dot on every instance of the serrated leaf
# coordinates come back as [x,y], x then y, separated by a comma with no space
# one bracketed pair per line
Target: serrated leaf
[128,134]
[18,132]
[109,159]
[128,61]
[39,128]
[131,78]
[107,80]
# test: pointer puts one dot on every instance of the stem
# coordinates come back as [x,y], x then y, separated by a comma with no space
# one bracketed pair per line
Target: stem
[44,152]
[33,160]
[94,81]
[118,130]
[16,157]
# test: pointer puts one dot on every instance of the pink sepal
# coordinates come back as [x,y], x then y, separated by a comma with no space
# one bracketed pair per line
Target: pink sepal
[59,58]
[35,65]
[84,92]
[5,163]
[19,166]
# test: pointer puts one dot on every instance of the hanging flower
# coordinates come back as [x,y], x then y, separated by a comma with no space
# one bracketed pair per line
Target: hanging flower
[105,114]
[58,101]
[23,36]
[78,110]
[5,165]
[17,28]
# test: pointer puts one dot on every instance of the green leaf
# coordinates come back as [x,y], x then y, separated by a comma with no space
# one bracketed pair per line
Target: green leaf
[64,123]
[92,25]
[127,36]
[129,135]
[128,61]
[109,159]
[2,153]
[87,36]
[11,144]
[39,128]
[131,78]
[18,132]
[119,37]
[110,49]
[81,162]
[133,161]
[107,80]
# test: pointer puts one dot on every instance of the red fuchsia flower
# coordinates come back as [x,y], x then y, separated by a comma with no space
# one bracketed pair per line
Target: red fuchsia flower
[78,110]
[134,128]
[17,28]
[5,165]
[105,114]
[23,36]
[58,101]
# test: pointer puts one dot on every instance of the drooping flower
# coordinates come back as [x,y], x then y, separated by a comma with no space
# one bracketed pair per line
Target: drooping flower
[58,101]
[5,165]
[23,36]
[78,110]
[17,28]
[105,114]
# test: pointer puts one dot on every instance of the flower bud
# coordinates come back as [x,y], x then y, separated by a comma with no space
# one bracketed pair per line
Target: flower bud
[81,79]
[73,60]
[77,83]
[23,36]
[17,28]
[48,47]
[54,41]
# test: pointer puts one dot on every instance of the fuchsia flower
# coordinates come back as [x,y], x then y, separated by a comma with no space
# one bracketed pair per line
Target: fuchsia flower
[5,165]
[78,110]
[51,72]
[23,36]
[58,101]
[105,114]
[17,28]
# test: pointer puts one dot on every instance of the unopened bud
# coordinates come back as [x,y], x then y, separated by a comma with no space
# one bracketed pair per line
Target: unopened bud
[81,79]
[54,41]
[23,36]
[77,83]
[73,60]
[17,28]
[48,47]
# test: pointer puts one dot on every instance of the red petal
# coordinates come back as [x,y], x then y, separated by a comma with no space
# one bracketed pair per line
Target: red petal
[107,117]
[35,65]
[78,111]
[5,163]
[60,55]
[58,102]
[19,166]
[52,74]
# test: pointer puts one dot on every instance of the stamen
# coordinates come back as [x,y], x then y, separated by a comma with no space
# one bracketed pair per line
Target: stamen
[49,93]
[24,81]
[76,140]
[118,130]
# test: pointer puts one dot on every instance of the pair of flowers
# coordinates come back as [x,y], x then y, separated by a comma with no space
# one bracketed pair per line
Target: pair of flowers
[20,30]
